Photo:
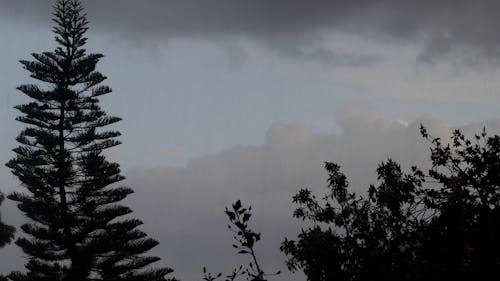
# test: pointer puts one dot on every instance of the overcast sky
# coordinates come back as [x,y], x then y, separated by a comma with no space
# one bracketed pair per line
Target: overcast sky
[229,99]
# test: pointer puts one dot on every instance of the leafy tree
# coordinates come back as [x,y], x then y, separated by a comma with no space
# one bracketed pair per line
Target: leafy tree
[354,238]
[462,240]
[76,229]
[411,226]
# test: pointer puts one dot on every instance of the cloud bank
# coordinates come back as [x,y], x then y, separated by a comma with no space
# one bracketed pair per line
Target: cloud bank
[183,207]
[444,28]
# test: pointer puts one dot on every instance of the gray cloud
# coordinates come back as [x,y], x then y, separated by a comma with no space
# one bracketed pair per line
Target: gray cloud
[183,207]
[467,29]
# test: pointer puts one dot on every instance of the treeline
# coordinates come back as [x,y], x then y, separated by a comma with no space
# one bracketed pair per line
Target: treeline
[419,225]
[443,224]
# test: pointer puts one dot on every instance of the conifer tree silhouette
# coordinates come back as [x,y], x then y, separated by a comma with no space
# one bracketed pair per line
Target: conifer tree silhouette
[76,229]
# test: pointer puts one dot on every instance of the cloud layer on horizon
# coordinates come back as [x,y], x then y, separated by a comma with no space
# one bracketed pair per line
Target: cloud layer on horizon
[448,28]
[183,207]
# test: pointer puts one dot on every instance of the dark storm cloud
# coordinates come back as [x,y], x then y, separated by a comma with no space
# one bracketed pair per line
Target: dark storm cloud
[445,27]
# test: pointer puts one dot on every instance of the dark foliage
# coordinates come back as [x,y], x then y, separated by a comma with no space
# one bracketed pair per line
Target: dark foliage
[440,226]
[462,238]
[76,229]
[239,217]
[6,231]
[354,238]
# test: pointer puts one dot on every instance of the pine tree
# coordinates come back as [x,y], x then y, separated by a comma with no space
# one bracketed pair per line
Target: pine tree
[76,229]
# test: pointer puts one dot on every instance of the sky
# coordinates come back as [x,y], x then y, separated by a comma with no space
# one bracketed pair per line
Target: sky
[229,99]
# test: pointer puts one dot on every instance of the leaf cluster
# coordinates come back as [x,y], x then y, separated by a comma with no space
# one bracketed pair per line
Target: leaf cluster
[245,238]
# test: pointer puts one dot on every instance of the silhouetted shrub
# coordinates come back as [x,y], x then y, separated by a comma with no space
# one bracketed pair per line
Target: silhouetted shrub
[416,226]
